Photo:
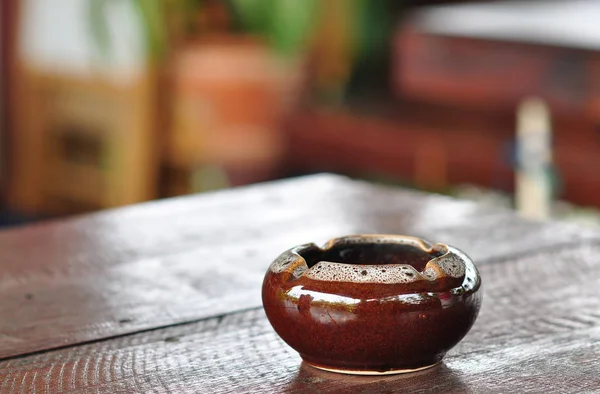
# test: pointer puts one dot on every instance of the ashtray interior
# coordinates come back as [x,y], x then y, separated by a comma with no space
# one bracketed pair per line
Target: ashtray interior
[371,254]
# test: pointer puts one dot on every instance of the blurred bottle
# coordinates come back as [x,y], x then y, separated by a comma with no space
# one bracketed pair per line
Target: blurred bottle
[534,189]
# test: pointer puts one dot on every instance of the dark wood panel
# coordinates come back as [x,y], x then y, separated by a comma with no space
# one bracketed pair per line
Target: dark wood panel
[538,331]
[482,72]
[461,145]
[157,264]
[396,148]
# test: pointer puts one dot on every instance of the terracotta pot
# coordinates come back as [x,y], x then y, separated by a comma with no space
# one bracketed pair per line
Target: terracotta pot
[372,304]
[230,94]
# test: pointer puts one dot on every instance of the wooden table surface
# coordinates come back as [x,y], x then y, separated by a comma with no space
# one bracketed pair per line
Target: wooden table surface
[165,296]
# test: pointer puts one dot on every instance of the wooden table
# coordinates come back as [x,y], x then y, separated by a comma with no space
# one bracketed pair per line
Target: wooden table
[164,297]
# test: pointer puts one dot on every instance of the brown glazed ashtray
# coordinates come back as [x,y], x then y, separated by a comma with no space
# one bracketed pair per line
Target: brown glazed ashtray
[372,304]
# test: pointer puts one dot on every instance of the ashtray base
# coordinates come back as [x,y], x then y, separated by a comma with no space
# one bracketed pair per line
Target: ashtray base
[367,372]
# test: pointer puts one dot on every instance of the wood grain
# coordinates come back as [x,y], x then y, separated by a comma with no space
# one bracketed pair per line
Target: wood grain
[189,258]
[539,331]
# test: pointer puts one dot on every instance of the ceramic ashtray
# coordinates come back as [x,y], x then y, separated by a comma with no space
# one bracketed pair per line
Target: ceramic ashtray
[372,304]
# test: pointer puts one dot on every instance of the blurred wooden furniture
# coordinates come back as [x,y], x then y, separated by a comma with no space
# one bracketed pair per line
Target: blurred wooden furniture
[90,145]
[8,31]
[402,142]
[165,296]
[83,120]
[480,60]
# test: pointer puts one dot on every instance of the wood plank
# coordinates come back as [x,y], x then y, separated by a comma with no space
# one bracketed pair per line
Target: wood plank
[538,331]
[175,261]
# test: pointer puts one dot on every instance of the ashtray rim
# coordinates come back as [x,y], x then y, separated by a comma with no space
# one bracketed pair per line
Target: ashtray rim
[293,262]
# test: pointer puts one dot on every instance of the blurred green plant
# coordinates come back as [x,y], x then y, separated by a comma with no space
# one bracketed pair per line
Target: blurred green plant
[151,14]
[349,40]
[286,24]
[356,36]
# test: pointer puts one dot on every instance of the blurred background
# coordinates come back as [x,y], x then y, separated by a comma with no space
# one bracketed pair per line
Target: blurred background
[107,103]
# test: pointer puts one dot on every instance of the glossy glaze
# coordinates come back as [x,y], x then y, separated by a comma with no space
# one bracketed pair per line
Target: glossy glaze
[371,304]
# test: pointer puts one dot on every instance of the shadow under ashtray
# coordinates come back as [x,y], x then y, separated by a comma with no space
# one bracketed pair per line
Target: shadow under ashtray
[438,378]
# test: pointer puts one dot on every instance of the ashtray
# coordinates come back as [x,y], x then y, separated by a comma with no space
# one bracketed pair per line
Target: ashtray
[372,304]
